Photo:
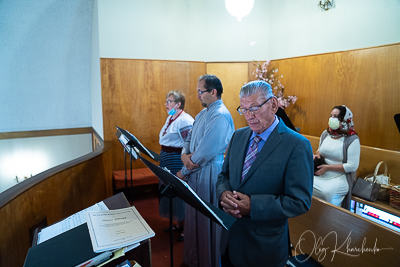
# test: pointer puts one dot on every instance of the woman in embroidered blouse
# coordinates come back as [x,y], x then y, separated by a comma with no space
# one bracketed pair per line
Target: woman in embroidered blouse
[339,145]
[171,139]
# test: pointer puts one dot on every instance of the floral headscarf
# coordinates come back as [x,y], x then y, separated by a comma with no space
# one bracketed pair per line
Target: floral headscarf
[346,127]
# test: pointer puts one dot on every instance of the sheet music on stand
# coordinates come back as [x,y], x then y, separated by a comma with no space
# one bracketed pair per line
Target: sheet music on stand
[124,141]
[130,142]
[71,222]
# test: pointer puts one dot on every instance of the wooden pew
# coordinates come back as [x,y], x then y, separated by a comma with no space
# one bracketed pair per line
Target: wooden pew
[337,237]
[369,158]
[140,176]
[143,180]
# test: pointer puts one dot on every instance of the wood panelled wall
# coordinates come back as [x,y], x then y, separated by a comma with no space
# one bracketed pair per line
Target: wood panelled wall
[134,93]
[233,77]
[366,80]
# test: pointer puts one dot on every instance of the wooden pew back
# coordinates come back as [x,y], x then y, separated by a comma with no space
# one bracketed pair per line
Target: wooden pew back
[369,158]
[337,237]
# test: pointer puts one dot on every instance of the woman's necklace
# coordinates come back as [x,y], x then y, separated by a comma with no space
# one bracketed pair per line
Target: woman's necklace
[171,120]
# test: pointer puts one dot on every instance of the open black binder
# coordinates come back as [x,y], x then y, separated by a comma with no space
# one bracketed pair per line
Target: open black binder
[64,250]
[185,193]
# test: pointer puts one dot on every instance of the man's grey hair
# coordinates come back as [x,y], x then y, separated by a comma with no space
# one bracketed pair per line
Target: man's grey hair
[255,87]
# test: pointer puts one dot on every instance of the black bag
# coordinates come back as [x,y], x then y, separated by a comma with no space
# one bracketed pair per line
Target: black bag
[317,162]
[366,189]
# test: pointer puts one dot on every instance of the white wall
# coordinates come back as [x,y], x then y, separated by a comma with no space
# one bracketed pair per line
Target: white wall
[45,64]
[30,156]
[46,84]
[204,30]
[151,29]
[226,39]
[181,30]
[298,28]
[97,108]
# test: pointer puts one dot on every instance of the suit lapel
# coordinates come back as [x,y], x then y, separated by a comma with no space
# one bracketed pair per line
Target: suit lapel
[272,142]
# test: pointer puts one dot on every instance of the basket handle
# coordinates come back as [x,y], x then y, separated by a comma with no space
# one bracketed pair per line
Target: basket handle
[377,168]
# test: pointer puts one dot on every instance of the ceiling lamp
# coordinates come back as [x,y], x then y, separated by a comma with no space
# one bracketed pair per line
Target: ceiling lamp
[326,5]
[239,8]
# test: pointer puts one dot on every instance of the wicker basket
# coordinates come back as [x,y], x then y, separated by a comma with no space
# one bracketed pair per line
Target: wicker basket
[395,197]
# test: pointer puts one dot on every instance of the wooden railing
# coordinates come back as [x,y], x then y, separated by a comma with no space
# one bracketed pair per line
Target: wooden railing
[50,196]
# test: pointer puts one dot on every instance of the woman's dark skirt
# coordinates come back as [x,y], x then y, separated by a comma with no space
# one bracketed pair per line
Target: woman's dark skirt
[172,161]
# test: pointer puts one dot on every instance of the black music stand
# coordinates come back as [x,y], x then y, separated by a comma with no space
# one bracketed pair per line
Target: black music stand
[170,192]
[186,193]
[175,187]
[132,141]
[41,255]
[133,147]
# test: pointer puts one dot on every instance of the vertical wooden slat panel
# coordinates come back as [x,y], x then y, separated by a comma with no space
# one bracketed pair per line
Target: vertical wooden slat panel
[134,94]
[233,76]
[366,80]
[193,105]
[311,80]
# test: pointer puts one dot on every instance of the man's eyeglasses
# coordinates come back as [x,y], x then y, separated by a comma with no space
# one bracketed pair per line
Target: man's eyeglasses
[202,92]
[252,110]
[169,101]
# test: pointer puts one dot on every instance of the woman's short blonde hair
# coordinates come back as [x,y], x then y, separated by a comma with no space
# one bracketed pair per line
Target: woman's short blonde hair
[179,97]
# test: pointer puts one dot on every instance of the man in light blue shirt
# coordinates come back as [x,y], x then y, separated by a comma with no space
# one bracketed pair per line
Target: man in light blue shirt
[203,156]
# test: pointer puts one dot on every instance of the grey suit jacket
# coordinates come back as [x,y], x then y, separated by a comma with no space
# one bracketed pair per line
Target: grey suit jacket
[279,183]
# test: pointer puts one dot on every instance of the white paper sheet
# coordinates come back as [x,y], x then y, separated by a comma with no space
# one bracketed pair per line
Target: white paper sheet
[68,223]
[117,228]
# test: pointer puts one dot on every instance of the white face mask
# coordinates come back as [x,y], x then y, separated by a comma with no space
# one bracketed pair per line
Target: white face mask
[334,123]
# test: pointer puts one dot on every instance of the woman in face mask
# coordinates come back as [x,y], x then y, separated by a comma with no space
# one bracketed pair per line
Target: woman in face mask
[339,146]
[171,138]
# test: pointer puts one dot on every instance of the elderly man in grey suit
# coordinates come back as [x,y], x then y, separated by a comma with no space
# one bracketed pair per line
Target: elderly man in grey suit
[267,177]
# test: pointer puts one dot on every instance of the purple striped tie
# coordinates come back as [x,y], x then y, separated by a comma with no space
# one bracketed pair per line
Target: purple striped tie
[251,155]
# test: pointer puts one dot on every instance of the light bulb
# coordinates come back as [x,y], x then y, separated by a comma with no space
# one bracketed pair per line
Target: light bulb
[239,8]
